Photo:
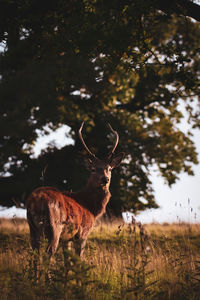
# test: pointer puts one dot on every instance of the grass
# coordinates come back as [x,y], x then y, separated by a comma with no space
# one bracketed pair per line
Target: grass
[121,261]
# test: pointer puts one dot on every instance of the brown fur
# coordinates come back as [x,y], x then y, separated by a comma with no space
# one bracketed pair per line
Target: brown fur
[52,213]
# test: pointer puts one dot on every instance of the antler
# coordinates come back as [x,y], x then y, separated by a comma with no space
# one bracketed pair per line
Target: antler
[82,140]
[116,139]
[88,150]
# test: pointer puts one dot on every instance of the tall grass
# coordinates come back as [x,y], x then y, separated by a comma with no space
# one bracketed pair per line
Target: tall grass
[121,261]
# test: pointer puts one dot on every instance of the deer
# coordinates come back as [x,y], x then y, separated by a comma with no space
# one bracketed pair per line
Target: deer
[54,214]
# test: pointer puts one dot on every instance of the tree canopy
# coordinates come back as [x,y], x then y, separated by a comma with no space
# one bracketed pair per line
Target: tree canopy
[130,63]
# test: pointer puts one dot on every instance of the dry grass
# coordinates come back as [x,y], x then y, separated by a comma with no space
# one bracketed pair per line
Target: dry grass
[169,258]
[121,262]
[14,225]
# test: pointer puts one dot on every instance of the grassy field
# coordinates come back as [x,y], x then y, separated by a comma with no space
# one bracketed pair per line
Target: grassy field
[121,261]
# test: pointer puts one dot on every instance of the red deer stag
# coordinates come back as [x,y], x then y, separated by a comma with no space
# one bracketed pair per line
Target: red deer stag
[52,213]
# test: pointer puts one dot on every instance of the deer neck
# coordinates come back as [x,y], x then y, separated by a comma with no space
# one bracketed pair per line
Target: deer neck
[94,198]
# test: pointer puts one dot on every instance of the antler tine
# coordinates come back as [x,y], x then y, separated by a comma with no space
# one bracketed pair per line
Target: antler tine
[116,138]
[82,140]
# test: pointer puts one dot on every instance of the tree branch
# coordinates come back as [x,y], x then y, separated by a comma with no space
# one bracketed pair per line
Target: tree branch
[180,7]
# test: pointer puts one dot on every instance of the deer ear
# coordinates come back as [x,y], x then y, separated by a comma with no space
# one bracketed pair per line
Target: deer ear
[116,160]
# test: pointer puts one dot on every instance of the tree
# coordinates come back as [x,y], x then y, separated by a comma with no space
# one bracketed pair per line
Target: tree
[129,63]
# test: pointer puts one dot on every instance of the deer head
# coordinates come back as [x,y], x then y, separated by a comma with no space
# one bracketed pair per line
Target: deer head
[100,170]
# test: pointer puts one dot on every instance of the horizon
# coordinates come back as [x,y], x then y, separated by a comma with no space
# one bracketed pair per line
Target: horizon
[180,203]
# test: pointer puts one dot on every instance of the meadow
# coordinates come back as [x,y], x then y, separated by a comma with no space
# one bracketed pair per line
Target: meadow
[121,261]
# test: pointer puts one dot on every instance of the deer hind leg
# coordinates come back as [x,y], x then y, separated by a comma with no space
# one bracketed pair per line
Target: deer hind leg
[52,234]
[35,233]
[53,239]
[35,236]
[35,239]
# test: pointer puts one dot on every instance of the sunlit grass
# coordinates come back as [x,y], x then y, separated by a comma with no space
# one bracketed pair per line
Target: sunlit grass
[121,261]
[14,225]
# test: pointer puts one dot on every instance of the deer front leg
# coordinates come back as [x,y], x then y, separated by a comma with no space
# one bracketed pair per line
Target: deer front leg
[79,245]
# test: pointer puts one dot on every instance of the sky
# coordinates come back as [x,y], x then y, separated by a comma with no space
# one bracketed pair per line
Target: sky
[181,203]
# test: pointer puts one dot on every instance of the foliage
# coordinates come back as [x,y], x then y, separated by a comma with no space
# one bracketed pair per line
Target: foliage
[127,63]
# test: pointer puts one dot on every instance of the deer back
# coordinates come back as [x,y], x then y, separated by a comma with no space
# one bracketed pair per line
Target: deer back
[48,206]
